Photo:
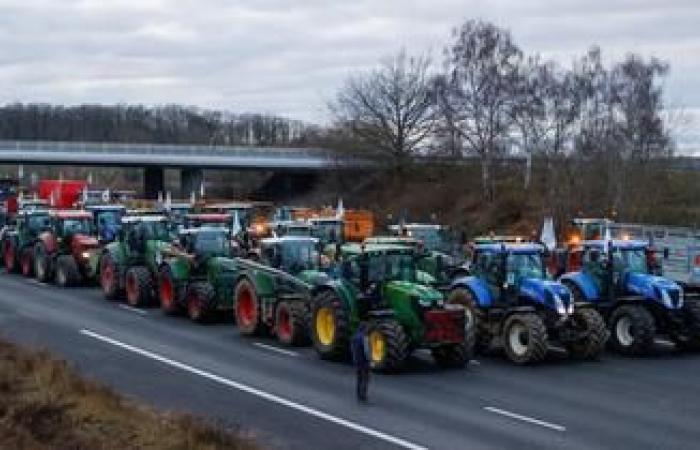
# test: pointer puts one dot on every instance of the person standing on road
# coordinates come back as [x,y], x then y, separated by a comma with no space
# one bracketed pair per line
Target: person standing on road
[361,358]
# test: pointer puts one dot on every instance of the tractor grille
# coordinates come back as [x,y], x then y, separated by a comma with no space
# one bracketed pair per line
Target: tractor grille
[444,326]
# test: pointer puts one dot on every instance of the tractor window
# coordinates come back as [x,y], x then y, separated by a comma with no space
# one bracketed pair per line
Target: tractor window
[37,224]
[634,260]
[212,244]
[525,265]
[401,267]
[328,232]
[298,256]
[76,226]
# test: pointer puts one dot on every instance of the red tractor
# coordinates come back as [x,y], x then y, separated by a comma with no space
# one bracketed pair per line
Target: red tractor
[67,250]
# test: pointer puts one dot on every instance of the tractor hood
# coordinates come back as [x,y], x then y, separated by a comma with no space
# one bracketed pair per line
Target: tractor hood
[658,289]
[551,294]
[223,264]
[313,277]
[424,295]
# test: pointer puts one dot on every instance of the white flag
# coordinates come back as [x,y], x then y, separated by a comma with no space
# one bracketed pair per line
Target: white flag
[548,236]
[340,210]
[236,226]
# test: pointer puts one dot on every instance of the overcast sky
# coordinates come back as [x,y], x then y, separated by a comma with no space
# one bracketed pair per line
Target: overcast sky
[289,56]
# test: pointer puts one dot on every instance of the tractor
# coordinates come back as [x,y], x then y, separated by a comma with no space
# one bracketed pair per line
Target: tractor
[66,250]
[201,268]
[273,294]
[107,220]
[18,240]
[128,266]
[620,278]
[379,284]
[510,301]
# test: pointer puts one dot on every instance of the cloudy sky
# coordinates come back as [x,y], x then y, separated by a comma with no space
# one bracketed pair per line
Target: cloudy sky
[289,56]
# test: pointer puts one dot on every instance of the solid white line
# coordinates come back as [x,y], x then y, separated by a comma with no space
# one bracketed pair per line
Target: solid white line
[513,415]
[257,392]
[132,309]
[275,349]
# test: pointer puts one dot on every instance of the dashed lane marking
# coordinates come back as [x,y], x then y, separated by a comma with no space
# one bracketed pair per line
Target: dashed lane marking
[275,349]
[532,420]
[132,309]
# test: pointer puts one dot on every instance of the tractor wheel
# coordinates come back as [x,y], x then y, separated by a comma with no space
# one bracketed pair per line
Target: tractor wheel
[109,278]
[632,330]
[42,264]
[454,356]
[26,262]
[248,309]
[389,346]
[67,273]
[200,300]
[9,256]
[138,286]
[477,334]
[590,321]
[691,341]
[290,323]
[167,292]
[330,326]
[525,338]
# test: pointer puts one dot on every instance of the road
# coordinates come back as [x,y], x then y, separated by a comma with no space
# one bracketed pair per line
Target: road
[288,398]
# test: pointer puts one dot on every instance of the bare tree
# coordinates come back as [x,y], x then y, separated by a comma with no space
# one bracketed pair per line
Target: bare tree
[390,109]
[476,94]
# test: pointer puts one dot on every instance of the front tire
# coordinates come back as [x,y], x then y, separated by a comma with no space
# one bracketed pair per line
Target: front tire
[476,334]
[9,256]
[248,309]
[42,264]
[590,321]
[109,278]
[389,346]
[138,286]
[67,273]
[632,329]
[691,341]
[525,338]
[200,300]
[167,292]
[455,356]
[27,262]
[291,327]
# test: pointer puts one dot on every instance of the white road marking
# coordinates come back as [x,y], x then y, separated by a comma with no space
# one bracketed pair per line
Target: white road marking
[132,309]
[532,420]
[257,392]
[275,349]
[36,282]
[474,362]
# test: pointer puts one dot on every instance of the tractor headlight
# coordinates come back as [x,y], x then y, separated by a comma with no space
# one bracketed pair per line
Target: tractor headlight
[440,302]
[559,305]
[85,255]
[681,298]
[424,302]
[666,299]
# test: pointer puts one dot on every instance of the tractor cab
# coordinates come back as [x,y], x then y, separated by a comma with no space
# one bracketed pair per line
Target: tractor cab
[66,224]
[107,220]
[176,212]
[206,242]
[136,231]
[435,237]
[328,230]
[291,254]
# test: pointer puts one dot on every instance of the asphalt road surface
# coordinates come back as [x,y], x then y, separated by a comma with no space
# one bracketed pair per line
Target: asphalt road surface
[288,398]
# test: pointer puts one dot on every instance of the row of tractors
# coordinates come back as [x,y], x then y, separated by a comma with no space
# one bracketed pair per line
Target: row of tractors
[309,281]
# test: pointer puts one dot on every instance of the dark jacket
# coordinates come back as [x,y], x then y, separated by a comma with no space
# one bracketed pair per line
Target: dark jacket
[359,346]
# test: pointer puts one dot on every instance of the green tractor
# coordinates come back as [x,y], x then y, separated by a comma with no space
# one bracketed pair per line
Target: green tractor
[379,284]
[128,266]
[202,269]
[273,294]
[19,239]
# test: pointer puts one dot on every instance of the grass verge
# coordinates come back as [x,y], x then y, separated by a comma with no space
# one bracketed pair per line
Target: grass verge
[45,404]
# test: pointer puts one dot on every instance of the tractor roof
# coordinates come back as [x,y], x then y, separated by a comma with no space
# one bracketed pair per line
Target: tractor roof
[210,217]
[617,243]
[144,218]
[34,212]
[112,207]
[376,249]
[417,226]
[203,230]
[64,214]
[510,247]
[325,219]
[497,239]
[229,205]
[587,220]
[283,239]
[392,240]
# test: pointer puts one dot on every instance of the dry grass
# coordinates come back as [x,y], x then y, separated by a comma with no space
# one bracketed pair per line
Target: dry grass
[44,404]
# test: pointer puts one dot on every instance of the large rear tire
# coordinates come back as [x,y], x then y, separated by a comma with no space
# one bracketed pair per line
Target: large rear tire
[139,286]
[168,295]
[477,334]
[525,338]
[330,326]
[200,298]
[42,264]
[248,309]
[291,326]
[109,278]
[691,341]
[632,329]
[67,273]
[590,321]
[26,262]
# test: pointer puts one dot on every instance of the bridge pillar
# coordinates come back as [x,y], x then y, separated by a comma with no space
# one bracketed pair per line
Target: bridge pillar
[153,182]
[191,181]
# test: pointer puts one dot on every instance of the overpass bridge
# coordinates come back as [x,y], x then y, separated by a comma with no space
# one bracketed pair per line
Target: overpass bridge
[190,159]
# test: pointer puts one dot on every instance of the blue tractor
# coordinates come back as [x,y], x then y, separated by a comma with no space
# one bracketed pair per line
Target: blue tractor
[620,278]
[511,302]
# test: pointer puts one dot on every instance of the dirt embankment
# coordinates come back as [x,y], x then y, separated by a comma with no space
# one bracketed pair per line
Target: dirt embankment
[44,404]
